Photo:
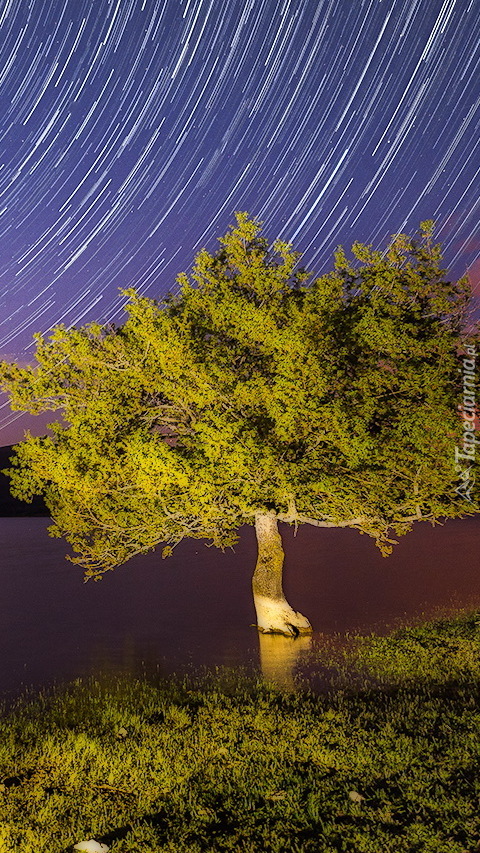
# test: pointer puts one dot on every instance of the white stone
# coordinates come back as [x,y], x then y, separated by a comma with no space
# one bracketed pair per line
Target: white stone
[275,616]
[355,797]
[91,846]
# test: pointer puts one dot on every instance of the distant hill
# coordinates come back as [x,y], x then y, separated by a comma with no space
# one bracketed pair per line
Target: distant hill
[11,506]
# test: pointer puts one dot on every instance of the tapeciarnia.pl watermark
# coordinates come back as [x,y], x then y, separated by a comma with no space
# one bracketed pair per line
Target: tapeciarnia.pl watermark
[465,455]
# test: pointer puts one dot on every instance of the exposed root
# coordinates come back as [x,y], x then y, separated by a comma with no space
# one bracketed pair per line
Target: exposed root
[275,616]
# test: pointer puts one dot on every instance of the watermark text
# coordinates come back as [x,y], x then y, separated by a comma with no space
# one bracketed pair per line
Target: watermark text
[465,455]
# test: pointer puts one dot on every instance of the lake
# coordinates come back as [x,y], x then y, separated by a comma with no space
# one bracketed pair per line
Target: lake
[195,609]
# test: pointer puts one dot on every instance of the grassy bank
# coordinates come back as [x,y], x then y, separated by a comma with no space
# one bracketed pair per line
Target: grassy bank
[232,764]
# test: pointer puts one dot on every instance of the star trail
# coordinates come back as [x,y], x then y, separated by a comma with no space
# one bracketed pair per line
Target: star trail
[131,130]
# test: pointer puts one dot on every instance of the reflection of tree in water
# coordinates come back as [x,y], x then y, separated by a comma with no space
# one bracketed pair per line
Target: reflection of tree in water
[279,656]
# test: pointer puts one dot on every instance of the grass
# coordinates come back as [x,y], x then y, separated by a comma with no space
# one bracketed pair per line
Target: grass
[387,762]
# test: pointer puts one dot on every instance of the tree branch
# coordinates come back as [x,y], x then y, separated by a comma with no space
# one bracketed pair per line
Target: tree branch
[291,518]
[305,519]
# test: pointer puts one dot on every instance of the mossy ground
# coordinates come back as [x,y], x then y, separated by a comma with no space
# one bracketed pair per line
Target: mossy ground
[229,763]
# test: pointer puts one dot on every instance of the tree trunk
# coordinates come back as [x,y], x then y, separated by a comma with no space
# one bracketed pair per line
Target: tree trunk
[274,614]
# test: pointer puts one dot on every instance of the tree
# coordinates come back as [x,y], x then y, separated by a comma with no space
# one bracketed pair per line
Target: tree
[254,396]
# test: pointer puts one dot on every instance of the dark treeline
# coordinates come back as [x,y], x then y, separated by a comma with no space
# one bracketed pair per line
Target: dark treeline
[10,506]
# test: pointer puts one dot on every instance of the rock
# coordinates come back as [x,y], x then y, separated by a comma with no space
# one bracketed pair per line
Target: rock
[91,846]
[355,796]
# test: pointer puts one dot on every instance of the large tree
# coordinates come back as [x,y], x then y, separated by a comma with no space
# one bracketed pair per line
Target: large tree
[252,396]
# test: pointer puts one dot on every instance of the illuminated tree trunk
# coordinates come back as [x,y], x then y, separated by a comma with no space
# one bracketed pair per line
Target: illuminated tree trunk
[274,614]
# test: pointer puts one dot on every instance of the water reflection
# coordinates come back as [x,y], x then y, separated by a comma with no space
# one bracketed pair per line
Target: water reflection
[280,656]
[155,617]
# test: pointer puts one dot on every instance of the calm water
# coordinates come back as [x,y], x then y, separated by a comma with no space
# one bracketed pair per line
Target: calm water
[195,609]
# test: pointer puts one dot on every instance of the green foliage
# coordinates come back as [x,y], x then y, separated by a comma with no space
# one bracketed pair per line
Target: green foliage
[226,763]
[253,388]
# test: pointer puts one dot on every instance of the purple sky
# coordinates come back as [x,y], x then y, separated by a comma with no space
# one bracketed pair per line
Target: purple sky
[131,130]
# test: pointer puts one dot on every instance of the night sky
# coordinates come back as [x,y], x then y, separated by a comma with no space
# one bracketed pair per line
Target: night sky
[131,130]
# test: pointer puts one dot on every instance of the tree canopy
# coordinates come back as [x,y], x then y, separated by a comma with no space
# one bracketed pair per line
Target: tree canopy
[331,401]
